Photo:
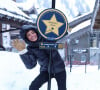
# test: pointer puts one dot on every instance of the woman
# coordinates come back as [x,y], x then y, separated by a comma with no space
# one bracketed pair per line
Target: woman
[33,54]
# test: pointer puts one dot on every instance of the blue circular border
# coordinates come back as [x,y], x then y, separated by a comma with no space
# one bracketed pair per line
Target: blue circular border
[44,14]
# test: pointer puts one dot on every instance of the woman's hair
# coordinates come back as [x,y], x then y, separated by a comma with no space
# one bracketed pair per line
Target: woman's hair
[25,29]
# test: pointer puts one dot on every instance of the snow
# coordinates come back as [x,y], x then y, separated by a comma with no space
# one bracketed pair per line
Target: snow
[15,16]
[14,75]
[71,8]
[81,26]
[26,5]
[79,80]
[10,8]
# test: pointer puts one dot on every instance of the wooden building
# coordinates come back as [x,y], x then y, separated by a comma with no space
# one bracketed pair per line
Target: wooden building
[95,35]
[84,35]
[11,17]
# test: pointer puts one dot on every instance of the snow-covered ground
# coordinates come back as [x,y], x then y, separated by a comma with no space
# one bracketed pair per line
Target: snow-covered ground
[14,75]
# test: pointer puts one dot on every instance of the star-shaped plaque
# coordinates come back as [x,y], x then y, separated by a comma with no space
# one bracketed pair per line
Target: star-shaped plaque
[52,25]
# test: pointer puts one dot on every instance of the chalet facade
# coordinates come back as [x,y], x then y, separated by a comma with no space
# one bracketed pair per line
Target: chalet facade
[78,44]
[95,29]
[85,34]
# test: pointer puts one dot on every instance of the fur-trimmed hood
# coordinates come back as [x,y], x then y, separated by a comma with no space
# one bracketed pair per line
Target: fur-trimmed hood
[25,29]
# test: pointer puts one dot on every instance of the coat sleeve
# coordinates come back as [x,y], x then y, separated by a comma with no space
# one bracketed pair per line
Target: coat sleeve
[29,60]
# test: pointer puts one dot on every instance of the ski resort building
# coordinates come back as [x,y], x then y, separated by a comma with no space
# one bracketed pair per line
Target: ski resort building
[11,17]
[83,40]
[83,32]
[95,30]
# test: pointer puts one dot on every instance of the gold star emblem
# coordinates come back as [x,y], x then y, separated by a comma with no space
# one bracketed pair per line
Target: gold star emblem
[52,25]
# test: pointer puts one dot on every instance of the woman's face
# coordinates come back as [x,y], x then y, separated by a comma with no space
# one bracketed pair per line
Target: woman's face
[31,35]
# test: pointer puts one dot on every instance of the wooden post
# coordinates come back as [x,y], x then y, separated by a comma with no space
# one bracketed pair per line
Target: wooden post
[1,34]
[98,56]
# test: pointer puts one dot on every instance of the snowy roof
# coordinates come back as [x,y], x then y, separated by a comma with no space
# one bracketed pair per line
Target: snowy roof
[77,20]
[9,8]
[81,26]
[78,30]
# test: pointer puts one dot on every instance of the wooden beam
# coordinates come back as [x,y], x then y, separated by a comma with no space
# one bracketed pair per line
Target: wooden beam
[97,21]
[96,14]
[1,34]
[16,29]
[96,26]
[14,22]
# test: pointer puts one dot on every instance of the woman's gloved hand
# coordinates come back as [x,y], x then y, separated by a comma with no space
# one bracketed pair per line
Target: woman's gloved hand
[18,44]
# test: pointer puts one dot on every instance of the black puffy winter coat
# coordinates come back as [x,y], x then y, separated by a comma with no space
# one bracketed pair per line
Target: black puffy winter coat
[42,56]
